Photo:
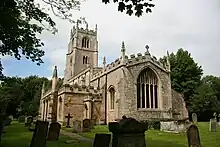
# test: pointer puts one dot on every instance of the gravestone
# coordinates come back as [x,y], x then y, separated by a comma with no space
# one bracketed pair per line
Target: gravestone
[92,123]
[68,120]
[219,119]
[7,121]
[28,121]
[54,131]
[86,125]
[40,134]
[102,140]
[194,118]
[128,133]
[77,126]
[213,125]
[21,119]
[193,136]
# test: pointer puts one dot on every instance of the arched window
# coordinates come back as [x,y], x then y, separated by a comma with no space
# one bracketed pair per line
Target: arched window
[85,59]
[112,98]
[147,89]
[85,42]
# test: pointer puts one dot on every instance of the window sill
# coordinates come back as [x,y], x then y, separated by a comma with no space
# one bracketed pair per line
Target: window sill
[152,109]
[111,110]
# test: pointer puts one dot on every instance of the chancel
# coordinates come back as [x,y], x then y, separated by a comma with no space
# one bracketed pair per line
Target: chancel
[136,86]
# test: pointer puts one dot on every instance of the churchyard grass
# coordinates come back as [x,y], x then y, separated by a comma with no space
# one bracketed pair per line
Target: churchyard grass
[18,136]
[155,138]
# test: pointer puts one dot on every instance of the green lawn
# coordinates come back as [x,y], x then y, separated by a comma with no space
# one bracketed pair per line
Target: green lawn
[156,138]
[18,136]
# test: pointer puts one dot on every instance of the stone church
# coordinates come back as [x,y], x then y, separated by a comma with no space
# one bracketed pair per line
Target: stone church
[138,86]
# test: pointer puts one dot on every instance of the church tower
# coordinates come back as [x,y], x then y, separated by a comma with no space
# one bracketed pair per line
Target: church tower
[82,50]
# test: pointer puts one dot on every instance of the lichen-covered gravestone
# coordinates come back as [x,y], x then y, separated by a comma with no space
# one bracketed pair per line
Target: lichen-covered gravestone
[102,140]
[194,118]
[54,131]
[77,126]
[21,119]
[128,132]
[40,134]
[213,125]
[28,121]
[193,136]
[86,125]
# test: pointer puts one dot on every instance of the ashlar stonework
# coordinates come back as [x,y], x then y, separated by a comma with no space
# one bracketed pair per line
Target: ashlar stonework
[138,86]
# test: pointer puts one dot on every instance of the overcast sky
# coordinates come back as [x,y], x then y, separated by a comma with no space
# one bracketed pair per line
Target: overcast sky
[190,24]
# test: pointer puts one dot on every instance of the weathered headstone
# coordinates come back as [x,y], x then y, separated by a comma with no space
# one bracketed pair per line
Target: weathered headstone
[128,133]
[68,120]
[21,119]
[193,136]
[28,121]
[219,119]
[102,140]
[213,125]
[40,134]
[77,126]
[54,131]
[194,118]
[92,123]
[7,121]
[86,125]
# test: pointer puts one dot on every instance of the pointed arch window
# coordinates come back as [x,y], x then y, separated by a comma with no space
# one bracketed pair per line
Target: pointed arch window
[147,89]
[85,42]
[112,98]
[85,60]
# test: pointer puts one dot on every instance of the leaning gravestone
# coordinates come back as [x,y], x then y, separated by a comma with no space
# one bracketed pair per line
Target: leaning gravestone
[86,125]
[92,123]
[77,126]
[193,136]
[40,134]
[7,121]
[102,140]
[54,131]
[128,133]
[194,118]
[213,125]
[29,121]
[21,119]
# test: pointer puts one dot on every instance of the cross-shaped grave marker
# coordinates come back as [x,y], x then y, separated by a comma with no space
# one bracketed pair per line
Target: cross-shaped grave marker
[68,120]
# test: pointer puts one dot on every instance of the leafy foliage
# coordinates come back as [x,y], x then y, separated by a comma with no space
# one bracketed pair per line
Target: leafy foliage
[21,22]
[185,73]
[131,7]
[206,99]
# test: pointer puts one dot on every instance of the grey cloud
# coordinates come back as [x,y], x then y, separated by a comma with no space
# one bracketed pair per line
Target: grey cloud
[190,24]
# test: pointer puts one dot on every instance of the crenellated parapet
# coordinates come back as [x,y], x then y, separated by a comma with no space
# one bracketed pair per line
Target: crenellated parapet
[130,61]
[139,58]
[80,89]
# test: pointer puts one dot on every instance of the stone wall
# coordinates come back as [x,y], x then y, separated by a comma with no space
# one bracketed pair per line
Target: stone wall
[164,92]
[179,106]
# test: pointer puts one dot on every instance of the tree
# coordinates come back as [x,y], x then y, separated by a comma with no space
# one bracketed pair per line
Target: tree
[206,99]
[131,7]
[22,20]
[185,73]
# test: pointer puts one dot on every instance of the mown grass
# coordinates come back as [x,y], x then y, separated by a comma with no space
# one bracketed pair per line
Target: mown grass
[18,136]
[155,138]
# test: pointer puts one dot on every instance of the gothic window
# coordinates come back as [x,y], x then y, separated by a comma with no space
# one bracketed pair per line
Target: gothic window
[147,89]
[85,59]
[112,98]
[86,108]
[85,42]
